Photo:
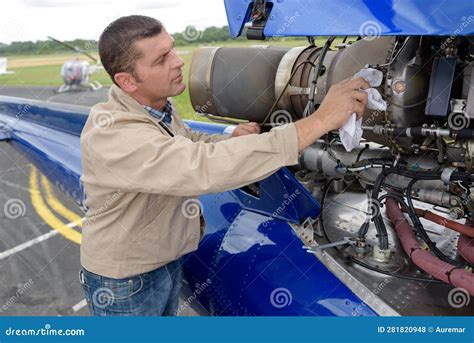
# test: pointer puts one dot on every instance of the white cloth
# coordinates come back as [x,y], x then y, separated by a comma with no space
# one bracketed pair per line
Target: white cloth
[351,132]
[229,130]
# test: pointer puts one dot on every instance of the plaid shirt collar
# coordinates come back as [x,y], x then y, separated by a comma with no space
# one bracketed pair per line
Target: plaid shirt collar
[164,115]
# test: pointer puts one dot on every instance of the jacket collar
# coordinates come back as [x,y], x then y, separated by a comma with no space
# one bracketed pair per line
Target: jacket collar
[128,107]
[125,102]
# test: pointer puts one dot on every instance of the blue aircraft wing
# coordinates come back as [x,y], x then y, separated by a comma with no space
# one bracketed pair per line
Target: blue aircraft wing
[357,17]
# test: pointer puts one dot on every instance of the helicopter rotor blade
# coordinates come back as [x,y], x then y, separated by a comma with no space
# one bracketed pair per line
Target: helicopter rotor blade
[76,49]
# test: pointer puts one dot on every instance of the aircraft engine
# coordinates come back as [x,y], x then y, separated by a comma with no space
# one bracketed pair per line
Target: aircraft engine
[416,158]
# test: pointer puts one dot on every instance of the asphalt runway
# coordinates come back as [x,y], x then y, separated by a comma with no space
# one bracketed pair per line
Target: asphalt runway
[82,98]
[38,265]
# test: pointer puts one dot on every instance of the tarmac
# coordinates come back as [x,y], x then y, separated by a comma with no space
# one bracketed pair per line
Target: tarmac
[38,266]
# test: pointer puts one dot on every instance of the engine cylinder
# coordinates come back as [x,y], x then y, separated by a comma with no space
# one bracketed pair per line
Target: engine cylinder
[235,82]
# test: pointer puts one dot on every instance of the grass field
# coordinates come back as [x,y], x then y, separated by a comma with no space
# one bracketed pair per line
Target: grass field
[44,70]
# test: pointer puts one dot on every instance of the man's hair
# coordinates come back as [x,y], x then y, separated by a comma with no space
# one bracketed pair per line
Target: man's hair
[117,49]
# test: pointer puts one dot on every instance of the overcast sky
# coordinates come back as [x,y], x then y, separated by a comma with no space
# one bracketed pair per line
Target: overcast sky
[24,20]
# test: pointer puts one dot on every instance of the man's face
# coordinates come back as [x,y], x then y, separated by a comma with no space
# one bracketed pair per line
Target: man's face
[159,68]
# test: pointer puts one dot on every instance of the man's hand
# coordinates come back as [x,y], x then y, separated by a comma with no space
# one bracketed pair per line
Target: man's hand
[246,129]
[342,99]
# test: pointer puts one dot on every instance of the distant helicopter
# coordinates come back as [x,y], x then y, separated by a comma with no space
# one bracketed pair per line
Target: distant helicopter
[76,73]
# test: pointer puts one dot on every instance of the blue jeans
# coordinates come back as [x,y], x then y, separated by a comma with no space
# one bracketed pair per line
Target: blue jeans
[154,293]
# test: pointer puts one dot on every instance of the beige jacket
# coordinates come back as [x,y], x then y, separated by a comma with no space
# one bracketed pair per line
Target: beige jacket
[139,182]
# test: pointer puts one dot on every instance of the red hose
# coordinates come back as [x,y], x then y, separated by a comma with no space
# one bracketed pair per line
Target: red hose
[424,260]
[461,228]
[465,242]
[466,248]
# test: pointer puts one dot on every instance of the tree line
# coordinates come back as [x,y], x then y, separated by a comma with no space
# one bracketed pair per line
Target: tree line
[189,36]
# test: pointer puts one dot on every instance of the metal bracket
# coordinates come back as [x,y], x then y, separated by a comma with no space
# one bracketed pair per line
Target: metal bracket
[307,230]
[446,174]
[344,241]
[259,17]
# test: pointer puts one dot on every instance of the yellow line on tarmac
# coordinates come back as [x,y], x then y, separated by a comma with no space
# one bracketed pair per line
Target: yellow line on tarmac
[56,205]
[45,213]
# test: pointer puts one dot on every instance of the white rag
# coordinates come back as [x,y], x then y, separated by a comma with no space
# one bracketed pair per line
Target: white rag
[351,132]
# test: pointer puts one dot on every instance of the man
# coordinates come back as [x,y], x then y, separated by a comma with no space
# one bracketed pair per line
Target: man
[142,166]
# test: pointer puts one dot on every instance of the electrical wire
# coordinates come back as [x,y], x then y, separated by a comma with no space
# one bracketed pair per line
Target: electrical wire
[423,234]
[323,198]
[419,175]
[331,153]
[319,67]
[393,58]
[359,155]
[401,201]
[270,112]
[421,102]
[356,261]
[378,220]
[401,276]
